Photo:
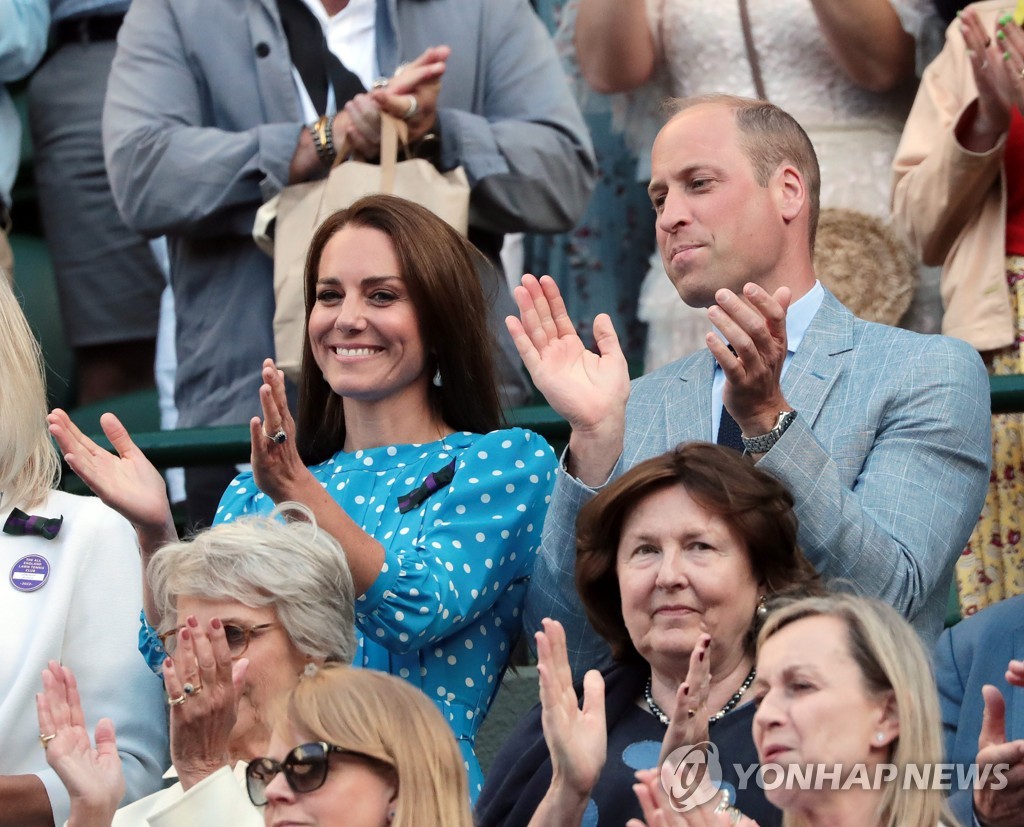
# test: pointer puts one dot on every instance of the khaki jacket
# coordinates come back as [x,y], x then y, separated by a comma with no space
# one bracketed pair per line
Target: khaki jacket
[950,204]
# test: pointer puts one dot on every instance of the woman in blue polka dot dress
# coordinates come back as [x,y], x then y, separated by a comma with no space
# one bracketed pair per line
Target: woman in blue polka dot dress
[398,454]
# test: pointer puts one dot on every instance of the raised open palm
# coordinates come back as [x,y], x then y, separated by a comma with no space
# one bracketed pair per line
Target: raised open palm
[584,387]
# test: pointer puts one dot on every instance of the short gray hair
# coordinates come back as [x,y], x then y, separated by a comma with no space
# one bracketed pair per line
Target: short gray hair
[292,565]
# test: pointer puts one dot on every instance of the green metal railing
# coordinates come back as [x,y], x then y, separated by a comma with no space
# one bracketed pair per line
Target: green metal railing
[228,445]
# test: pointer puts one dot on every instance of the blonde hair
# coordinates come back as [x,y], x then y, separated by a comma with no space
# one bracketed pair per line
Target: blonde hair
[393,722]
[29,461]
[295,567]
[891,659]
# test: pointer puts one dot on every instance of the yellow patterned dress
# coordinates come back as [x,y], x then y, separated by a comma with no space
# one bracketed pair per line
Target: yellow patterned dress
[991,568]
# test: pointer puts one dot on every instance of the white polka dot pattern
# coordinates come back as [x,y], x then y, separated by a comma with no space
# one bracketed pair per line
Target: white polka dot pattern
[446,607]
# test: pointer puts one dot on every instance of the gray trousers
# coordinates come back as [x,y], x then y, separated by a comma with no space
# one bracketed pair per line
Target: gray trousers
[108,280]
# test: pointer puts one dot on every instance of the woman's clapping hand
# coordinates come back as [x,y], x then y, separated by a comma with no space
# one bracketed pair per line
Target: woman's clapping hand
[203,688]
[129,483]
[91,774]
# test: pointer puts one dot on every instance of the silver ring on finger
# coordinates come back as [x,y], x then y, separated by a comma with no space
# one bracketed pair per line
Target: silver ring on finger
[177,701]
[414,107]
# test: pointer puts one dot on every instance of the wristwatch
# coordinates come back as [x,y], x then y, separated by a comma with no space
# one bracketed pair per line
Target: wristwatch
[761,444]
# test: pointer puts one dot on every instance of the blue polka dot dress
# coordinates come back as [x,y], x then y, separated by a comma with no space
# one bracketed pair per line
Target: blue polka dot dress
[446,608]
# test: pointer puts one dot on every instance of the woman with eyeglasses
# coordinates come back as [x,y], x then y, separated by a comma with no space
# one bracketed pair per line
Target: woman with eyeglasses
[357,748]
[250,607]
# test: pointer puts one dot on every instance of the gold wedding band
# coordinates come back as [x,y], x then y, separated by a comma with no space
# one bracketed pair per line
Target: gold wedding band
[44,740]
[177,701]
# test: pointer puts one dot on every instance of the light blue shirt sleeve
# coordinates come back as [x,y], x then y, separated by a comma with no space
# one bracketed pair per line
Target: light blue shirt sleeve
[22,36]
[23,28]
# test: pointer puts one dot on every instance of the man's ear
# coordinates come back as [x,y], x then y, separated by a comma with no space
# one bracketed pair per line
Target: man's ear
[789,190]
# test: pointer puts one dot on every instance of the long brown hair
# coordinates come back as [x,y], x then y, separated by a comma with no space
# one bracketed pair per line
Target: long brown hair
[439,268]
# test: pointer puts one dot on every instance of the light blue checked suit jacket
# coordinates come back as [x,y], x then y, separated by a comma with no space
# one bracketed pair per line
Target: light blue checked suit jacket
[888,461]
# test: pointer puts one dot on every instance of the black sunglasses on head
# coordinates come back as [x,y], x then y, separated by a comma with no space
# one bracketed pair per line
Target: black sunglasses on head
[304,768]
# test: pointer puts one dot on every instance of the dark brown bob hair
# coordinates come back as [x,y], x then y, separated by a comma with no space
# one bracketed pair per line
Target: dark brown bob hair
[755,505]
[439,268]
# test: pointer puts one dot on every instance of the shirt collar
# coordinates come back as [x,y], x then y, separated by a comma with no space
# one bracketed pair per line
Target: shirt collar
[801,313]
[798,318]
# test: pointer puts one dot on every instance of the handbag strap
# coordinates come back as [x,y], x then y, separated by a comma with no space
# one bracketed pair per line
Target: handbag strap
[394,134]
[752,58]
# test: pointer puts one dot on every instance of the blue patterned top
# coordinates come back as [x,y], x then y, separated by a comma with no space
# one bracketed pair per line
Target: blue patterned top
[447,607]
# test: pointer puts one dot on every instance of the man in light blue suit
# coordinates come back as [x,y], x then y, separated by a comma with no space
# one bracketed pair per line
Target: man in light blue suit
[881,434]
[979,668]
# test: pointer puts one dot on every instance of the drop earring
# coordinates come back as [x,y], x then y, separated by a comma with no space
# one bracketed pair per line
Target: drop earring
[437,378]
[762,607]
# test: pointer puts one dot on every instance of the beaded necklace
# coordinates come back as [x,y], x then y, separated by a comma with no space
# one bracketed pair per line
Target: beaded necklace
[730,704]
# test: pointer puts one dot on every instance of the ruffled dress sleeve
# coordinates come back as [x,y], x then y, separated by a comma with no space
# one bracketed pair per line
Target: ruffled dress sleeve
[464,546]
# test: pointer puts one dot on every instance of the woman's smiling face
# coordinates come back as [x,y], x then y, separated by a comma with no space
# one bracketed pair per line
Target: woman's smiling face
[363,329]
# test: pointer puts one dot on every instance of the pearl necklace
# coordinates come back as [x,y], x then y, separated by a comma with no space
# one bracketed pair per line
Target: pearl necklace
[730,704]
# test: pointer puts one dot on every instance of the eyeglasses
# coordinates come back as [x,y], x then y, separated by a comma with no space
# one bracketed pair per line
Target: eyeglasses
[304,768]
[238,637]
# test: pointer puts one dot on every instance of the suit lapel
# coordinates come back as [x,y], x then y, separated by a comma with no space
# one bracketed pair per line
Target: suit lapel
[689,400]
[820,359]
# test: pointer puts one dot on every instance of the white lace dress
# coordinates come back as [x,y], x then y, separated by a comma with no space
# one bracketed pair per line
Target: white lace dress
[855,132]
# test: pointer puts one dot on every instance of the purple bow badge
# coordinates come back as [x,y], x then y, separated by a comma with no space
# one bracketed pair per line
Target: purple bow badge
[20,523]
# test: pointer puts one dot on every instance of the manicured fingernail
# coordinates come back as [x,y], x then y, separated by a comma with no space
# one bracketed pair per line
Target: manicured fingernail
[193,622]
[215,623]
[700,657]
[686,689]
[185,634]
[1000,36]
[169,662]
[1006,55]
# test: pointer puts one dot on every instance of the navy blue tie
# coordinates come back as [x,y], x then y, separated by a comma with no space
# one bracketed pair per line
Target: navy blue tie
[729,433]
